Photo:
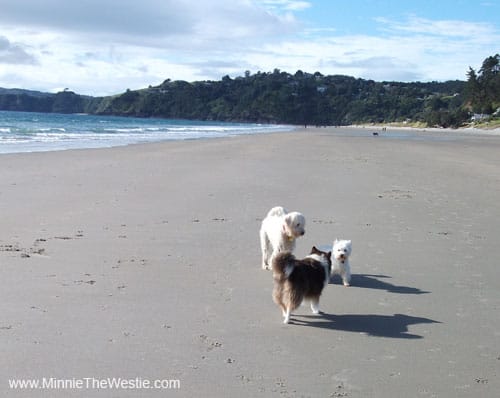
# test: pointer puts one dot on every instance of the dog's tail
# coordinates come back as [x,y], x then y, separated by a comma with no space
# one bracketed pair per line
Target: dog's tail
[283,265]
[277,211]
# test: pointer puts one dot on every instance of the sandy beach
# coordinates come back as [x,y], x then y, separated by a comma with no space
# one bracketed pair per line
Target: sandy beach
[143,262]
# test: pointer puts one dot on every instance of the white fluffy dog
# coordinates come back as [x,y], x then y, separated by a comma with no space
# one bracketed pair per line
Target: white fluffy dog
[341,251]
[278,233]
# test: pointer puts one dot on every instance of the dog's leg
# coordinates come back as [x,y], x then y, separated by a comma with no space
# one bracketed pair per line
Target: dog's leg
[264,245]
[279,247]
[287,315]
[277,299]
[273,253]
[346,277]
[283,309]
[315,305]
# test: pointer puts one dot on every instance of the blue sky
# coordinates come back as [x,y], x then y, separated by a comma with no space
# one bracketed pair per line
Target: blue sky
[359,16]
[102,47]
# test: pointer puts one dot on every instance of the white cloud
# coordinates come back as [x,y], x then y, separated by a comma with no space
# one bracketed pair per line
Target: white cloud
[438,55]
[13,53]
[161,38]
[95,17]
[442,28]
[154,23]
[287,5]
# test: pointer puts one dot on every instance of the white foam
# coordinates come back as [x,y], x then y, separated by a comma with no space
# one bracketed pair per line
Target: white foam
[29,132]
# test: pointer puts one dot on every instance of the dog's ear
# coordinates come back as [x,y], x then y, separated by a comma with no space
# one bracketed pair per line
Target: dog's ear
[329,255]
[284,228]
[315,250]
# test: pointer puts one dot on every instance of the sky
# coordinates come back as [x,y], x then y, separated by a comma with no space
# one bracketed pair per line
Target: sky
[104,47]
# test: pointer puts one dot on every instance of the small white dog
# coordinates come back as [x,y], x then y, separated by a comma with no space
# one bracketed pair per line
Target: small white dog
[278,233]
[341,251]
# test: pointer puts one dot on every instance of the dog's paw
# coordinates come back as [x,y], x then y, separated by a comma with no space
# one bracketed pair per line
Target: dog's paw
[315,308]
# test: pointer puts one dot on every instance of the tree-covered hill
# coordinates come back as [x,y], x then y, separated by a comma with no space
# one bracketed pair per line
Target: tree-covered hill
[302,98]
[281,97]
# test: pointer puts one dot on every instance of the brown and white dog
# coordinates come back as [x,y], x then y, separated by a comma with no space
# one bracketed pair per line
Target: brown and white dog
[296,280]
[278,233]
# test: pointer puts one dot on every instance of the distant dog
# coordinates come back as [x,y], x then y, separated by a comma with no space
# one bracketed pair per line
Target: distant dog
[341,251]
[296,280]
[278,233]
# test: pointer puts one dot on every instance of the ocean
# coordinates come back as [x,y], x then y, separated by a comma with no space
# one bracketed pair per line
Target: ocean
[36,132]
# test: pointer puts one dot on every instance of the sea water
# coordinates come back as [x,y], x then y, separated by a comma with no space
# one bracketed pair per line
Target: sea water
[35,132]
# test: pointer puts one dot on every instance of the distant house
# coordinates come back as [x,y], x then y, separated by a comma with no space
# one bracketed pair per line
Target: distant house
[479,117]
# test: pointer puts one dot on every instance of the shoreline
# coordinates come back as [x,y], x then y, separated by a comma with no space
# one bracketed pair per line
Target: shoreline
[389,132]
[471,130]
[144,261]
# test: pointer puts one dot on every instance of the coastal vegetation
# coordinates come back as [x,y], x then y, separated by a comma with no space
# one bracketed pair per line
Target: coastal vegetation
[300,98]
[483,87]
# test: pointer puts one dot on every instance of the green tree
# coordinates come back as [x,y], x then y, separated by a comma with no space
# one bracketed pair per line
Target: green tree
[483,88]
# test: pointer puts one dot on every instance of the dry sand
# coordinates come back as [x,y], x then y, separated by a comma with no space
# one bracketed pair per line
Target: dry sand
[144,262]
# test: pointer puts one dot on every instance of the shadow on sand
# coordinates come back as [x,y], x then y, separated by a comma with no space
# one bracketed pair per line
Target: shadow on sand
[390,326]
[368,281]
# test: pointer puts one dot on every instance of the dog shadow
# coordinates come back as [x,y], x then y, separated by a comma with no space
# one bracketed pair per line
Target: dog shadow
[368,281]
[389,326]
